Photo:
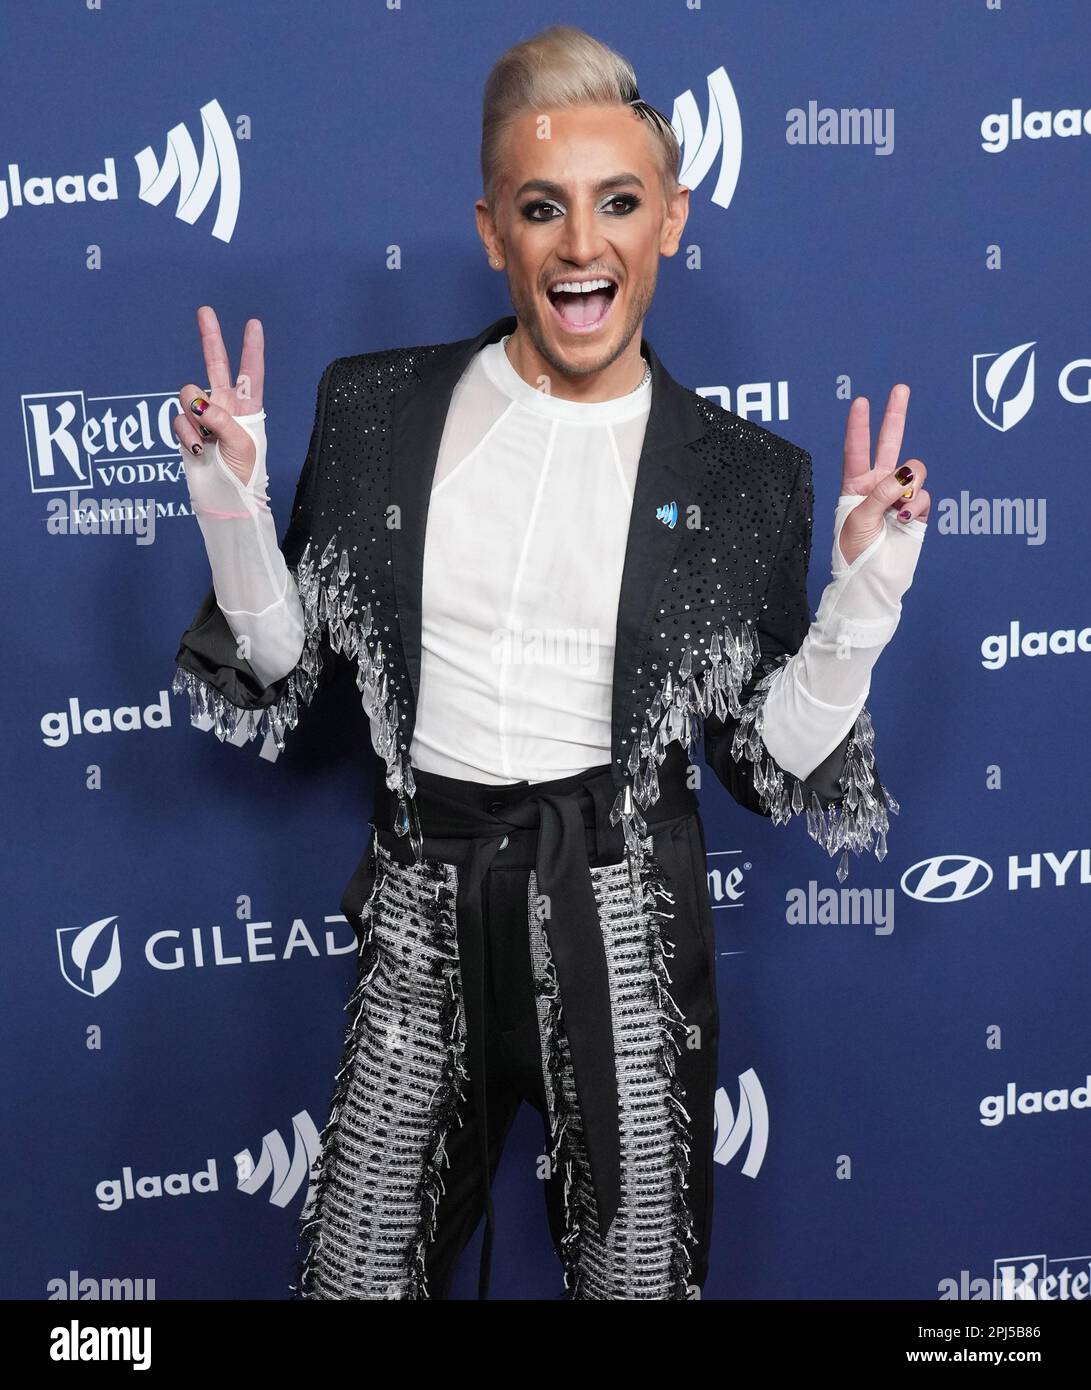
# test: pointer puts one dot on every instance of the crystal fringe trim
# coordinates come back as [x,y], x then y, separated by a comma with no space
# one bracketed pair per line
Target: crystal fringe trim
[561,1157]
[449,1094]
[309,1229]
[667,1048]
[677,714]
[329,606]
[671,1021]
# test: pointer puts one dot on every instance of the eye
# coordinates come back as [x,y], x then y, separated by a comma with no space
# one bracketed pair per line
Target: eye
[530,208]
[628,202]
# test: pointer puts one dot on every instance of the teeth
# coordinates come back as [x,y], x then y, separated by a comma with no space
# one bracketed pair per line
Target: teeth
[579,286]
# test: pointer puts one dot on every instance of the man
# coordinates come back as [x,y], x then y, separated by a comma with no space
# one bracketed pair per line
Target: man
[555,571]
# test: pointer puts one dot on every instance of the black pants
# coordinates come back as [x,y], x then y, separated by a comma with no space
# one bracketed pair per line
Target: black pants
[398,1189]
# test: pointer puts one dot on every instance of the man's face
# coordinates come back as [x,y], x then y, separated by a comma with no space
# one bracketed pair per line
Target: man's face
[581,198]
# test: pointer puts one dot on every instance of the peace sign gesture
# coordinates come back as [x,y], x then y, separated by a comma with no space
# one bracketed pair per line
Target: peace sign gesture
[884,486]
[217,408]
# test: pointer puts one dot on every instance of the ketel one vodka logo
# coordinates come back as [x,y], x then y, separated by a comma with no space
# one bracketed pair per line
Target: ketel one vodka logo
[76,442]
[214,177]
[1030,1278]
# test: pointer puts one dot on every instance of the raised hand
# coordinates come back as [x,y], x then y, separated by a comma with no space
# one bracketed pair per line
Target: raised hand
[225,402]
[882,487]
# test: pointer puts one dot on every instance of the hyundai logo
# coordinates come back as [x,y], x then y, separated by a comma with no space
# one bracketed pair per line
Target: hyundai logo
[946,878]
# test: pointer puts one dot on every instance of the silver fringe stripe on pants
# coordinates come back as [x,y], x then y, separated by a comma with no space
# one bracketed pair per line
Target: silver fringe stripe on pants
[396,1188]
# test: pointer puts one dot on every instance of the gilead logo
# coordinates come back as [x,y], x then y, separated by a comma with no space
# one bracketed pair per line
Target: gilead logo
[1015,1102]
[77,946]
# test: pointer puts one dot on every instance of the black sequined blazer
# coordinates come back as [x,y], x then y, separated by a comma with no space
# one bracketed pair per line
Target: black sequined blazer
[712,603]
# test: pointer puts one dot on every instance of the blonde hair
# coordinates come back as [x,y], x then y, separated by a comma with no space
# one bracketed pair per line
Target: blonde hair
[563,67]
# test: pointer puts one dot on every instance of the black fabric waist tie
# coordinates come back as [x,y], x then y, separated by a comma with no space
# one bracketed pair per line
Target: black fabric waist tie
[467,824]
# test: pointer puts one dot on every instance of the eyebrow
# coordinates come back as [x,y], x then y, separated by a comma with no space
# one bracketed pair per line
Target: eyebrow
[556,190]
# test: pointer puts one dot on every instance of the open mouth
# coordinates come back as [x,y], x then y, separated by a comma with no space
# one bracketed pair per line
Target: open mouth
[582,306]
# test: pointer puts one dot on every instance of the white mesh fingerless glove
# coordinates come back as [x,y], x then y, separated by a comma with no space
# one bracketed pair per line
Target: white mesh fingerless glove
[254,591]
[819,692]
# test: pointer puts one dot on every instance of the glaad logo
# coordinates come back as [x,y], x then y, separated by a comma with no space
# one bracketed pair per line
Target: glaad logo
[112,1193]
[1001,647]
[701,143]
[60,725]
[288,1174]
[751,1122]
[219,167]
[946,878]
[993,1109]
[999,404]
[75,945]
[285,1175]
[197,181]
[998,128]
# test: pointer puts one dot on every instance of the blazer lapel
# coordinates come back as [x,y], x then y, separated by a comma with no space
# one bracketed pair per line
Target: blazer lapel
[665,473]
[419,414]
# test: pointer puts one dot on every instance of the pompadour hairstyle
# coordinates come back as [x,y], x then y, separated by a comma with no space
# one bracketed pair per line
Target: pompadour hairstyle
[563,67]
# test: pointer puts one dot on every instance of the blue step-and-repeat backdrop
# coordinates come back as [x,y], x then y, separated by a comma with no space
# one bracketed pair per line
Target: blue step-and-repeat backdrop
[882,191]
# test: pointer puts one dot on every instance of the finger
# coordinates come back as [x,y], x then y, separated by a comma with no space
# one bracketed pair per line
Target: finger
[217,366]
[917,509]
[911,476]
[251,379]
[892,430]
[213,418]
[187,435]
[887,493]
[857,461]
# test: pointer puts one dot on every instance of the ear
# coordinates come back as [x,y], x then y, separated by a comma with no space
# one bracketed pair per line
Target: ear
[486,230]
[673,225]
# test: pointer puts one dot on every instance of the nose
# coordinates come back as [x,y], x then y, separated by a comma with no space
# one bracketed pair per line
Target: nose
[581,238]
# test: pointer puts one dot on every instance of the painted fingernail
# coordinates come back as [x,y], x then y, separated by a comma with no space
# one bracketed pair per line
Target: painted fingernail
[198,405]
[904,514]
[205,431]
[904,474]
[196,448]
